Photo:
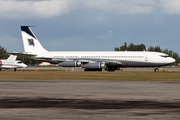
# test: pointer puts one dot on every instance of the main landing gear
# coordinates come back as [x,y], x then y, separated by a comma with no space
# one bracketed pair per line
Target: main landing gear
[92,69]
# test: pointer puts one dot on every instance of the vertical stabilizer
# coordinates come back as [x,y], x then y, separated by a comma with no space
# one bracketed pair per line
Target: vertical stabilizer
[31,43]
[12,58]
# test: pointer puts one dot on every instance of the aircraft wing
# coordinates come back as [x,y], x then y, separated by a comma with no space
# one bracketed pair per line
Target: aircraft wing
[113,63]
[107,63]
[99,64]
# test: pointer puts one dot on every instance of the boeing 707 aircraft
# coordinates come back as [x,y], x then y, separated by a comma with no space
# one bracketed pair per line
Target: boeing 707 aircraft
[91,60]
[12,63]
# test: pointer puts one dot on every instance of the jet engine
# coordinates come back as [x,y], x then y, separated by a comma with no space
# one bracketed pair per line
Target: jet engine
[70,64]
[94,66]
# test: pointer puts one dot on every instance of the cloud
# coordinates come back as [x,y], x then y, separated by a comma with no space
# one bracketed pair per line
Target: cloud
[37,9]
[170,6]
[124,6]
[51,8]
[20,9]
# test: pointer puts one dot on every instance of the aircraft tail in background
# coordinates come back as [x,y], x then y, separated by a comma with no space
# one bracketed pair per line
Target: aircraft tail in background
[12,58]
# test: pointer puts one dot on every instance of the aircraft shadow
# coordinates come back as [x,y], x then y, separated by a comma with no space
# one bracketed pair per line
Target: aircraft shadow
[90,104]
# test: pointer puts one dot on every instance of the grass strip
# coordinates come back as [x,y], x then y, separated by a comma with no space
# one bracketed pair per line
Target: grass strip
[63,75]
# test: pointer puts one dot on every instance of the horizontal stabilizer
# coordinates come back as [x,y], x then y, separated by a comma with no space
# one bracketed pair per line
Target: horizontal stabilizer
[23,54]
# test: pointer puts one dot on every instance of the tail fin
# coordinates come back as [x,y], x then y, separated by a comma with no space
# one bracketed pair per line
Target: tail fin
[31,43]
[12,58]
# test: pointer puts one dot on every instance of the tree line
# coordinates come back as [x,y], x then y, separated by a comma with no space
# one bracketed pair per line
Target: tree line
[142,47]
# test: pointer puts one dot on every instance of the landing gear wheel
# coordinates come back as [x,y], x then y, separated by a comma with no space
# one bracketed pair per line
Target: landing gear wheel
[15,69]
[111,69]
[156,69]
[92,69]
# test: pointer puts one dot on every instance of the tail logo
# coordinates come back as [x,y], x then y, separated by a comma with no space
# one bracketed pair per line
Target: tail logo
[31,42]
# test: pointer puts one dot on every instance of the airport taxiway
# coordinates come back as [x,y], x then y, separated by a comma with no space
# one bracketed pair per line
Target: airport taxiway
[78,99]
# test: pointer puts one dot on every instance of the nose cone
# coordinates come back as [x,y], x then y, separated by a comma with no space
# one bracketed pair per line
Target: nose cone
[169,60]
[173,60]
[24,65]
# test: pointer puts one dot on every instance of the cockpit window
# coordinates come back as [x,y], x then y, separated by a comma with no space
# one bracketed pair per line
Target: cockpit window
[165,56]
[19,62]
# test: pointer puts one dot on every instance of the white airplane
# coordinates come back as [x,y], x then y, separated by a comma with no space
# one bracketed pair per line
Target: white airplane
[11,63]
[91,60]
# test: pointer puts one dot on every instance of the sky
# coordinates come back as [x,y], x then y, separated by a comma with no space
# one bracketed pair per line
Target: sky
[91,25]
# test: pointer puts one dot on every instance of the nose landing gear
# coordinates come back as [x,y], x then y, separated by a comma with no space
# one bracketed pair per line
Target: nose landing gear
[156,69]
[160,69]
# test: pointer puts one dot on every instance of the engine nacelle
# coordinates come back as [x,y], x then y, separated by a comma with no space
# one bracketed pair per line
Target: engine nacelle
[70,64]
[94,66]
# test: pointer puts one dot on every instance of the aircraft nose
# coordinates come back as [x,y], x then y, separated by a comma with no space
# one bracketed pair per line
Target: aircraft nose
[169,60]
[25,65]
[173,60]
